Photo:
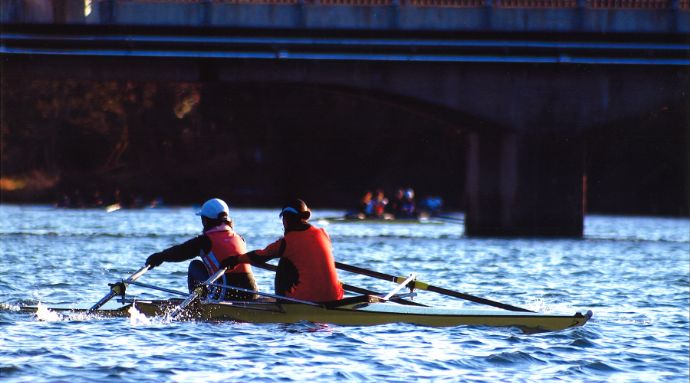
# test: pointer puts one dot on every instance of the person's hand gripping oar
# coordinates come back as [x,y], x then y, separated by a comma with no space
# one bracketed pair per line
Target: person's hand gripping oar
[119,288]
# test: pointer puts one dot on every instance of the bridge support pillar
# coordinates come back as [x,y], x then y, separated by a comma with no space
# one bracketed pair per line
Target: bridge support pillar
[524,185]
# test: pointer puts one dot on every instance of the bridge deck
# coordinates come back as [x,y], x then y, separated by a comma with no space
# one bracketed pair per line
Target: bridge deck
[571,16]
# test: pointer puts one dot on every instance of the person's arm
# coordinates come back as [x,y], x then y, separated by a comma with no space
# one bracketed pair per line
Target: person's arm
[274,250]
[181,252]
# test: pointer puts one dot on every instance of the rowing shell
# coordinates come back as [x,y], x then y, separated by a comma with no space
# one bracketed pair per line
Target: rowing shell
[407,221]
[354,311]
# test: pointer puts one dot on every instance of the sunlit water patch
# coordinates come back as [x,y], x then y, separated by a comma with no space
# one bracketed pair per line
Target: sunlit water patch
[43,313]
[136,317]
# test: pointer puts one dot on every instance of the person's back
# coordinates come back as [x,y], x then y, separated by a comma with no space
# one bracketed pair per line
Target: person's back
[408,208]
[394,206]
[306,269]
[379,204]
[432,204]
[366,207]
[226,243]
[309,253]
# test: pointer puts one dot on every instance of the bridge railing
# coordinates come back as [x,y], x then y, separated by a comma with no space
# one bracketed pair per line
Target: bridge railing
[545,4]
[600,16]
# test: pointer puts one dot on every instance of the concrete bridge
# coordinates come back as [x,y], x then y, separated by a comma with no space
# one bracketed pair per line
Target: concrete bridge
[524,79]
[571,16]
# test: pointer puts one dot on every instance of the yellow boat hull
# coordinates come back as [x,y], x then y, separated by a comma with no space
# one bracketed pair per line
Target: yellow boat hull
[366,314]
[356,311]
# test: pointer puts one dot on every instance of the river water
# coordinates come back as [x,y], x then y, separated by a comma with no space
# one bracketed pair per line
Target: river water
[632,272]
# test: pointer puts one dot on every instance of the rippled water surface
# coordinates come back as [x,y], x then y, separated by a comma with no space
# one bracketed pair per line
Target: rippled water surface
[633,272]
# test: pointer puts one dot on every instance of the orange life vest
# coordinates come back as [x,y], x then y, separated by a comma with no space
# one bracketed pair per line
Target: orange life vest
[224,243]
[310,253]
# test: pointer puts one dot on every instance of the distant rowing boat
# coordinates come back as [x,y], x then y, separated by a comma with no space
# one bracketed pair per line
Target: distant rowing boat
[406,221]
[364,310]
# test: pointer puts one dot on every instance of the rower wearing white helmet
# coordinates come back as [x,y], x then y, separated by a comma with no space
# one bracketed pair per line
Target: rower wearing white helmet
[218,242]
[408,209]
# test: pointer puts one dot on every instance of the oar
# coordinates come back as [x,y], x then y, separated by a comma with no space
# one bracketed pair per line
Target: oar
[428,287]
[400,286]
[448,218]
[198,291]
[152,287]
[116,288]
[354,289]
[280,297]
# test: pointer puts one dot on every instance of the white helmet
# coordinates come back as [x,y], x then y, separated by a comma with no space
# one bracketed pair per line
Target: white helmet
[214,208]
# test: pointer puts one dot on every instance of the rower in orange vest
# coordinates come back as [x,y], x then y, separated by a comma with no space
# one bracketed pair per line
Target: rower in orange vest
[306,269]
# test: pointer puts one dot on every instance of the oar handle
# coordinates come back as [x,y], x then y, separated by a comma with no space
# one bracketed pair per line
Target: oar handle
[428,287]
[138,274]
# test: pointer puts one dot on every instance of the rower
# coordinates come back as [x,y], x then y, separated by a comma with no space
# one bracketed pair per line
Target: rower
[408,209]
[217,243]
[306,269]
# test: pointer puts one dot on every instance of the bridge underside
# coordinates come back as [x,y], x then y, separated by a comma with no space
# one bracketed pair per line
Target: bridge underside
[525,185]
[524,123]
